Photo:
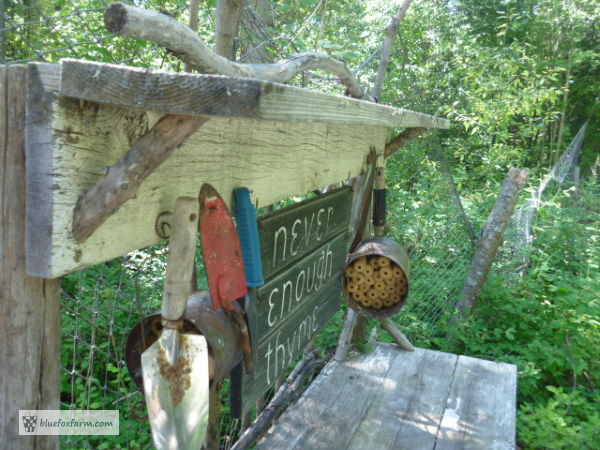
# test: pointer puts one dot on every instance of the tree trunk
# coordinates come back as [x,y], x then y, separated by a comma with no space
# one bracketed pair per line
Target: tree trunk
[29,307]
[491,238]
[194,5]
[228,25]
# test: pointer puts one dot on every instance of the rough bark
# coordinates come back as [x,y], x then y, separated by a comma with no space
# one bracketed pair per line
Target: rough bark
[156,27]
[257,17]
[124,178]
[229,13]
[391,32]
[491,238]
[29,307]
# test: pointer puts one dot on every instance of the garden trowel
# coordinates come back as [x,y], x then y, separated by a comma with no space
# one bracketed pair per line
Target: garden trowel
[175,367]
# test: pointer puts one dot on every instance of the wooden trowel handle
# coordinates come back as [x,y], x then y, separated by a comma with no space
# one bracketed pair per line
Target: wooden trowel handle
[182,249]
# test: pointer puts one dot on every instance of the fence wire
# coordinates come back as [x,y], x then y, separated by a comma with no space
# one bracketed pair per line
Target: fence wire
[519,236]
[427,217]
[100,306]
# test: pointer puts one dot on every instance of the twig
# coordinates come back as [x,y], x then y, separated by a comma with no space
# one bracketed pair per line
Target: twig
[286,394]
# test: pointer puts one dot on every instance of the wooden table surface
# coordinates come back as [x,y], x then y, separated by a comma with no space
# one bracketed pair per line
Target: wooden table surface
[392,399]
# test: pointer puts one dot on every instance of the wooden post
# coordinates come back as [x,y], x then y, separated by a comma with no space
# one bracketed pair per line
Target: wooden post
[29,307]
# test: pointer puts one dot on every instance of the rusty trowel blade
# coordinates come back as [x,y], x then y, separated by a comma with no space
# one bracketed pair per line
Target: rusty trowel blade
[177,407]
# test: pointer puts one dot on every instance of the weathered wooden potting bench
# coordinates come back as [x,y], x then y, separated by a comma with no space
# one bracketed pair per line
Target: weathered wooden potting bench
[67,129]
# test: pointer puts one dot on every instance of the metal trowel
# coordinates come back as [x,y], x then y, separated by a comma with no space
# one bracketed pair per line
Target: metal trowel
[175,368]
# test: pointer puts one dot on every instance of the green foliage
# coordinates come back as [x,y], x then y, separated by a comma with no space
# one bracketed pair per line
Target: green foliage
[548,324]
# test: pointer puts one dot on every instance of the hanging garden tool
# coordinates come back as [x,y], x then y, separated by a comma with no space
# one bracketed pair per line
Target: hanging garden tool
[221,249]
[175,367]
[223,261]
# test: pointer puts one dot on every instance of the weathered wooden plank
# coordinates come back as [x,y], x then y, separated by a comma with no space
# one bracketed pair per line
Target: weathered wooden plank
[73,142]
[29,307]
[213,95]
[329,412]
[397,400]
[408,408]
[481,409]
[289,234]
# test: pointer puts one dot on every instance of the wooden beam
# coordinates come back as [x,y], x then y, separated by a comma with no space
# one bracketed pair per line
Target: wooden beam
[29,307]
[70,144]
[218,96]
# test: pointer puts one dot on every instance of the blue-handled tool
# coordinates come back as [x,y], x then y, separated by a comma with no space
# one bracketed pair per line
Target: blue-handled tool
[247,227]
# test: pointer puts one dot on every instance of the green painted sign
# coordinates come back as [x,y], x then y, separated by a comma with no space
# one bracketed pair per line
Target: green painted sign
[289,234]
[304,248]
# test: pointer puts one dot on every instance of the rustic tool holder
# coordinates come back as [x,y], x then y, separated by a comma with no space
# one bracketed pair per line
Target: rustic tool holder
[72,132]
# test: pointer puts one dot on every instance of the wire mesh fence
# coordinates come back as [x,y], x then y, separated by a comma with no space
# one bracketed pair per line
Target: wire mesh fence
[427,217]
[519,237]
[100,306]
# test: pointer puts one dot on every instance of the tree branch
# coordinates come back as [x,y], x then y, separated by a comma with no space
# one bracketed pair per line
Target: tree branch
[491,238]
[402,139]
[156,27]
[391,32]
[124,178]
[286,394]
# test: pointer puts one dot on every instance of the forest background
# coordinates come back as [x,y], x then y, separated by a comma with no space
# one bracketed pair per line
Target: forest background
[517,78]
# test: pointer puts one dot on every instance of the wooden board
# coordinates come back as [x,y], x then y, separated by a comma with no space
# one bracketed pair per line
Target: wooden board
[392,399]
[71,142]
[480,408]
[29,307]
[303,249]
[214,95]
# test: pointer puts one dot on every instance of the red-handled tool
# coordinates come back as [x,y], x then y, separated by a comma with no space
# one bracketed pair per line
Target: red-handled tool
[222,251]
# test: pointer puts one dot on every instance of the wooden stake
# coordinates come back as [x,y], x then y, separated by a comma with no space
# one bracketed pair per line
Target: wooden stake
[400,338]
[344,340]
